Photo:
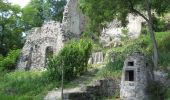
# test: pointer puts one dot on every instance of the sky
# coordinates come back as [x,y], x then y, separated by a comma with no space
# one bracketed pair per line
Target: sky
[22,3]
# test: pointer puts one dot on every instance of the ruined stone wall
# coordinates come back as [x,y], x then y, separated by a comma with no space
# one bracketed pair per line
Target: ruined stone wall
[51,35]
[112,33]
[96,58]
[73,19]
[33,54]
[101,88]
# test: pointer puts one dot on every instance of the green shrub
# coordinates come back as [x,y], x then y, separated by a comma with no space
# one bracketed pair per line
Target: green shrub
[73,57]
[9,62]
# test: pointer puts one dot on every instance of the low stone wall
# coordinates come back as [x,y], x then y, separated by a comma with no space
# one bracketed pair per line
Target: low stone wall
[97,57]
[101,88]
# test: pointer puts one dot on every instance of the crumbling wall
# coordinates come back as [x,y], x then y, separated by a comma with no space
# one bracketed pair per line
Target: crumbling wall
[52,34]
[33,55]
[112,34]
[101,88]
[73,19]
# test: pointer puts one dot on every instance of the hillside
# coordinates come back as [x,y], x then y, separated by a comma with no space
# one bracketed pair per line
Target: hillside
[87,49]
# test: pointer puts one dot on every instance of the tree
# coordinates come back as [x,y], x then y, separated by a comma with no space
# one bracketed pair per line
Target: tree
[34,10]
[11,30]
[121,8]
[42,10]
[56,8]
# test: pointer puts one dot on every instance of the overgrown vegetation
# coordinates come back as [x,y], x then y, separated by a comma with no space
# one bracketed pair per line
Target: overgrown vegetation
[9,62]
[73,58]
[21,85]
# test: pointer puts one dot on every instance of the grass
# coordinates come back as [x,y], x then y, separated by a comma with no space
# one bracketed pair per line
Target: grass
[21,85]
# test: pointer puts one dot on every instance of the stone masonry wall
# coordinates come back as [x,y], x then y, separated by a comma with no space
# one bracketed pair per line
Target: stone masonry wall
[33,54]
[73,19]
[134,85]
[51,35]
[101,88]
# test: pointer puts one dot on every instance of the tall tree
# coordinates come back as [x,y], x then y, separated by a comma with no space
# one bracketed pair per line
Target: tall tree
[11,30]
[32,14]
[38,11]
[121,8]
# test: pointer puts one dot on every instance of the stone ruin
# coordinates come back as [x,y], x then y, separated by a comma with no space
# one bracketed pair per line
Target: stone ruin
[96,58]
[43,42]
[112,34]
[101,88]
[73,20]
[40,44]
[136,77]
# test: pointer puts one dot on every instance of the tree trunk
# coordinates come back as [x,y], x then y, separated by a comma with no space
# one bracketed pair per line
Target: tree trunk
[62,81]
[152,35]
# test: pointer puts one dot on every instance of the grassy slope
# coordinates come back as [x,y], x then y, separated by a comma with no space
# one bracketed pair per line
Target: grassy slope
[34,85]
[21,85]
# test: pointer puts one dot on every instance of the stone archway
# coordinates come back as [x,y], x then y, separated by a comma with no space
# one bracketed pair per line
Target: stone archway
[48,54]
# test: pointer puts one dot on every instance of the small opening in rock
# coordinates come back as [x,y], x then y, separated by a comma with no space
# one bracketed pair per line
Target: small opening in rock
[129,75]
[130,63]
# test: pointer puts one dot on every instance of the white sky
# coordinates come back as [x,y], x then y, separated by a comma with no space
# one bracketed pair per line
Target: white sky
[22,3]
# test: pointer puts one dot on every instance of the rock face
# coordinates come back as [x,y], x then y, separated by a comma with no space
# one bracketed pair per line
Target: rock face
[112,34]
[135,78]
[45,41]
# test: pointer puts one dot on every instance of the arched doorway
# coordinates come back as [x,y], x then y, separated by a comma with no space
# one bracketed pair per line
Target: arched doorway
[48,54]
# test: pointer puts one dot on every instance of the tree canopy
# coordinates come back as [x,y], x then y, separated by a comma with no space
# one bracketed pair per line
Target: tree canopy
[102,10]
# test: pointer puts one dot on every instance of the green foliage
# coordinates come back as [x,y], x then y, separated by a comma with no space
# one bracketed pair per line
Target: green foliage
[42,11]
[10,28]
[21,85]
[55,9]
[73,57]
[111,70]
[156,91]
[167,95]
[98,12]
[159,24]
[30,13]
[9,62]
[164,47]
[102,11]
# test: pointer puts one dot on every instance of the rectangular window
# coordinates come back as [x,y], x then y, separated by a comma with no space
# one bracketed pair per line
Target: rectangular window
[129,75]
[130,63]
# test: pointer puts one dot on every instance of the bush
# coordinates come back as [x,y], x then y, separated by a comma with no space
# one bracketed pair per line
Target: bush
[9,62]
[73,57]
